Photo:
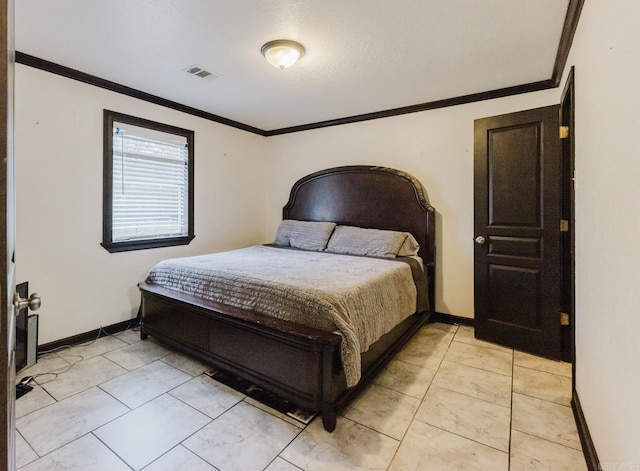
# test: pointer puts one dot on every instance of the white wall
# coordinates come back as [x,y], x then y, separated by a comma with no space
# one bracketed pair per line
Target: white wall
[435,146]
[607,76]
[242,182]
[59,200]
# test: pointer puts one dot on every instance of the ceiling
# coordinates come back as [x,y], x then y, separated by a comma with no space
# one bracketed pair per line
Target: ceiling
[362,56]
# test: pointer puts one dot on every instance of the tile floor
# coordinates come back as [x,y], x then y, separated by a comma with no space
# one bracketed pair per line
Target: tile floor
[446,401]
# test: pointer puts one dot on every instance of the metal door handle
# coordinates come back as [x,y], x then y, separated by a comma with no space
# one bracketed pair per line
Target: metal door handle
[480,240]
[33,302]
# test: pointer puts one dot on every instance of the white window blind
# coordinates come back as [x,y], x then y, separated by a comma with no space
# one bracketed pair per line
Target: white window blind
[150,184]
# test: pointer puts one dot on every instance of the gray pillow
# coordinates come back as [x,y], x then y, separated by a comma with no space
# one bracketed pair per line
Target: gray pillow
[409,247]
[372,242]
[307,235]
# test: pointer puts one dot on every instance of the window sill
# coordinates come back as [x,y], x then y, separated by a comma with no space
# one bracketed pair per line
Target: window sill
[128,246]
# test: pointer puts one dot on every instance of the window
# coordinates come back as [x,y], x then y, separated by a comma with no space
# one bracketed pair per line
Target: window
[148,184]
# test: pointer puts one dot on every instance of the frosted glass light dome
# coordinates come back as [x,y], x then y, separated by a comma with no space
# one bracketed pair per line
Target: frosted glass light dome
[282,53]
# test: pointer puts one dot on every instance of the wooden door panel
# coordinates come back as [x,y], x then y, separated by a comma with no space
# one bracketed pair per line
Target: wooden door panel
[517,214]
[515,246]
[514,296]
[514,177]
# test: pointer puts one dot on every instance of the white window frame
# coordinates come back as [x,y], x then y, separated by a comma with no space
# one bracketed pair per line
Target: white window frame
[133,146]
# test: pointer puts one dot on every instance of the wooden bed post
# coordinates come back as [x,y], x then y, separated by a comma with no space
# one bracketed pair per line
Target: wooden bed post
[329,409]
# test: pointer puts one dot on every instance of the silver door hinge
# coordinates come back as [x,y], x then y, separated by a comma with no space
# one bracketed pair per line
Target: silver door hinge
[564,225]
[564,318]
[564,132]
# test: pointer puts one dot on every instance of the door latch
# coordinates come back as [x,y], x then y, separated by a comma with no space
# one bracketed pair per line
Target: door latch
[33,302]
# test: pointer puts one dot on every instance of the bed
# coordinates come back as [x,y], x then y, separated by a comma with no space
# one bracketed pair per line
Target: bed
[300,363]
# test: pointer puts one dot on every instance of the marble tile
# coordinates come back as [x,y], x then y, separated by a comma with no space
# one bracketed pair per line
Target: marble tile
[185,420]
[406,378]
[185,363]
[383,410]
[436,338]
[60,423]
[35,399]
[481,384]
[465,331]
[542,385]
[138,354]
[422,352]
[207,395]
[466,416]
[83,375]
[281,465]
[146,383]
[432,449]
[526,360]
[97,347]
[24,453]
[350,447]
[179,459]
[466,334]
[529,453]
[276,413]
[484,358]
[129,336]
[148,432]
[84,454]
[544,419]
[243,438]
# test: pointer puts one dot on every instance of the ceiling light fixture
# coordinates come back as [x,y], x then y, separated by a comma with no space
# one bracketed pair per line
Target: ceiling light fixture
[282,53]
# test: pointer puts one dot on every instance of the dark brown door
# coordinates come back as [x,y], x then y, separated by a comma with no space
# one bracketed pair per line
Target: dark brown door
[7,242]
[567,121]
[517,192]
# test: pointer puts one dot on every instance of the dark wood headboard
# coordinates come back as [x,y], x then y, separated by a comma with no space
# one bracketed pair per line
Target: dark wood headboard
[367,196]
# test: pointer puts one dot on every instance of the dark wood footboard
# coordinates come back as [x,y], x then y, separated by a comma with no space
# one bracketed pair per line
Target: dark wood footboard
[299,363]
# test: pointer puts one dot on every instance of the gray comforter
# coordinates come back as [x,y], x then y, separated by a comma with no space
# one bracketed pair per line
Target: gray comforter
[361,298]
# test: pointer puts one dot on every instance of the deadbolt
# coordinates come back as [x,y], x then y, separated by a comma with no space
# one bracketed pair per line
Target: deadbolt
[33,302]
[480,240]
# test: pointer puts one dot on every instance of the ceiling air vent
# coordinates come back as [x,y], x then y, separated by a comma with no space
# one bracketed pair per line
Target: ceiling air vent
[201,72]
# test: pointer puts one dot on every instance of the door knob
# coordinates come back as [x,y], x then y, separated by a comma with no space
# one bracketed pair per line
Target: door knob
[480,240]
[33,302]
